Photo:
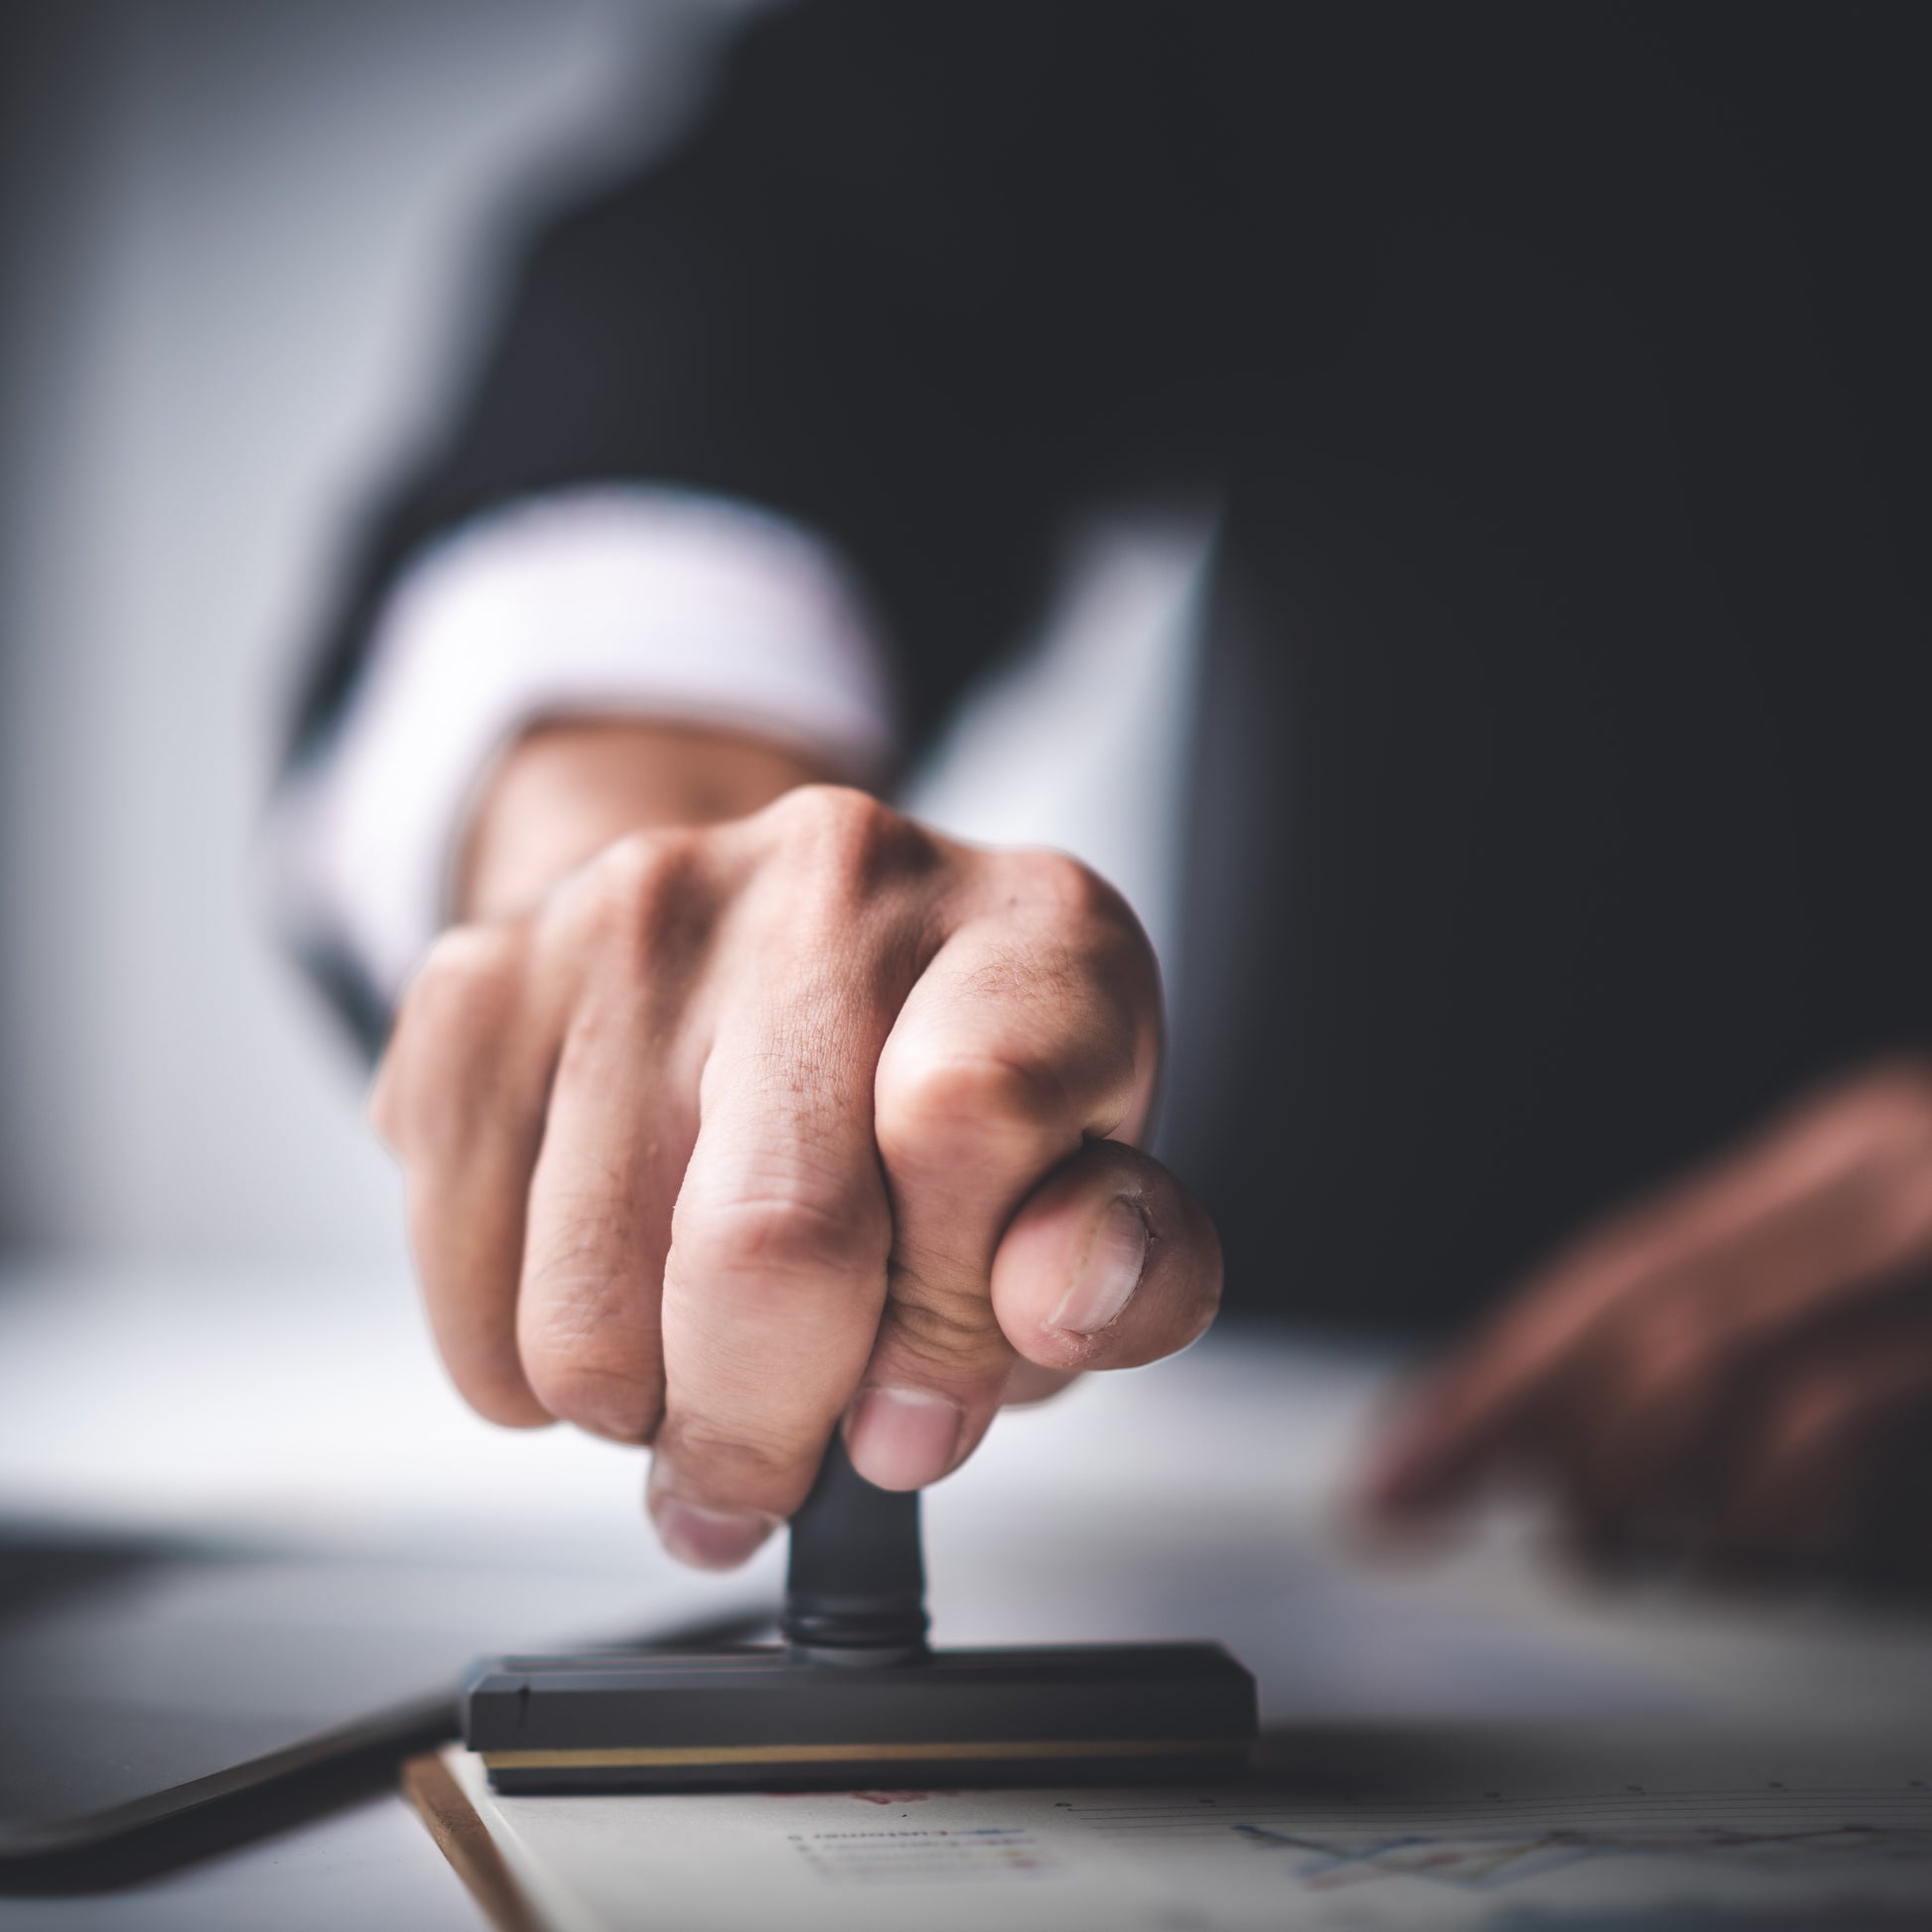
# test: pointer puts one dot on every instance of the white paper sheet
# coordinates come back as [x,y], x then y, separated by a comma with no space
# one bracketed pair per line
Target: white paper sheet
[1725,1846]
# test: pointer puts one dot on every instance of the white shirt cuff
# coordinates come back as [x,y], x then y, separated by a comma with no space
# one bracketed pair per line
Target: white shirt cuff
[620,599]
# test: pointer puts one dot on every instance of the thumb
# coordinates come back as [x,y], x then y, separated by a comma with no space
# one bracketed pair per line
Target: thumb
[1109,1263]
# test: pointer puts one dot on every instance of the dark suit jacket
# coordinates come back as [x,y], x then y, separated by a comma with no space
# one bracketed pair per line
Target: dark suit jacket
[1562,800]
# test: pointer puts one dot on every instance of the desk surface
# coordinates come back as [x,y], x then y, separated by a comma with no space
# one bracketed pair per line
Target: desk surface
[1192,1499]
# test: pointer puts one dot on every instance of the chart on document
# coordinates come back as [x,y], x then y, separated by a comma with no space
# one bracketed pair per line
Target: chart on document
[1199,1860]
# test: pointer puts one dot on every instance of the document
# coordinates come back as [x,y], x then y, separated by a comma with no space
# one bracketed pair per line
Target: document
[1278,1850]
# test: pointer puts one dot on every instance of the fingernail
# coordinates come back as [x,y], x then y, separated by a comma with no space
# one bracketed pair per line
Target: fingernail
[709,1538]
[903,1438]
[1108,1272]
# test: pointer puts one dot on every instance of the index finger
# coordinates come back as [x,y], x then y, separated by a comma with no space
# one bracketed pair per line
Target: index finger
[776,1267]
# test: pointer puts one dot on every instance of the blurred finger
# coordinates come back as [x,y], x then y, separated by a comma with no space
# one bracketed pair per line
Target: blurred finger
[1649,1414]
[600,1224]
[1807,1477]
[620,1122]
[459,1098]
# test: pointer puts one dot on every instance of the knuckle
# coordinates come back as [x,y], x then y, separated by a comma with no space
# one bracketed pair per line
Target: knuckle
[463,1002]
[945,1330]
[634,896]
[846,839]
[465,986]
[578,1259]
[746,1462]
[587,1322]
[1086,938]
[946,1094]
[782,1235]
[1071,893]
[591,1394]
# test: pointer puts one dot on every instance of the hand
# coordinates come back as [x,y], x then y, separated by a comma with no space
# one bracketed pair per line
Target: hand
[808,1114]
[1741,1369]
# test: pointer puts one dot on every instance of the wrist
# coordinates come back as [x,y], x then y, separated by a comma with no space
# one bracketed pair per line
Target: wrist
[568,787]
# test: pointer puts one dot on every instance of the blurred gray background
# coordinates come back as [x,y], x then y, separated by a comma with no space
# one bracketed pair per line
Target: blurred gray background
[245,246]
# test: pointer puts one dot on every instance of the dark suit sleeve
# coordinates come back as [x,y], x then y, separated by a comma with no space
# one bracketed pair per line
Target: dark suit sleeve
[890,286]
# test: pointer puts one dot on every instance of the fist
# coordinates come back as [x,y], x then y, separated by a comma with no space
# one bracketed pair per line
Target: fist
[807,1119]
[1739,1370]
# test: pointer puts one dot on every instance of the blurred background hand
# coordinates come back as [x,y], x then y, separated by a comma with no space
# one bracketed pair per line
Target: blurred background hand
[1738,1370]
